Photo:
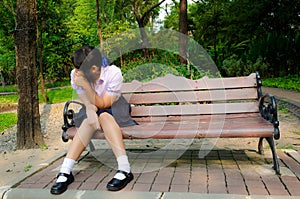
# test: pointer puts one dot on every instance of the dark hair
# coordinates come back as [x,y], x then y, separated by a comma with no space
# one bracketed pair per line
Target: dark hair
[85,57]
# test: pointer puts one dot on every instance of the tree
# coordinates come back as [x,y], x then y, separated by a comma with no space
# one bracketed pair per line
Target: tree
[142,10]
[28,126]
[7,51]
[183,30]
[99,26]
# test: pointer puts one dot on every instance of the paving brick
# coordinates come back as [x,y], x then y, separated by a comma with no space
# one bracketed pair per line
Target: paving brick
[181,178]
[292,183]
[157,187]
[294,191]
[97,177]
[239,172]
[237,189]
[88,186]
[198,179]
[75,185]
[101,186]
[217,187]
[163,179]
[141,187]
[198,188]
[251,176]
[146,177]
[277,190]
[216,175]
[256,188]
[291,163]
[179,188]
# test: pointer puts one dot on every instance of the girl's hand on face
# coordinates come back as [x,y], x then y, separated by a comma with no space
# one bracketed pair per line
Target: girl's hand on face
[80,79]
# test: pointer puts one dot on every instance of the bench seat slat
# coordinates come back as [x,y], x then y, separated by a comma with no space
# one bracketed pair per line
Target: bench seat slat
[176,83]
[228,127]
[193,118]
[231,125]
[192,96]
[194,109]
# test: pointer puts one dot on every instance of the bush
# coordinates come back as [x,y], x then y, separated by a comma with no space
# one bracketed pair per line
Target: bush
[238,67]
[291,82]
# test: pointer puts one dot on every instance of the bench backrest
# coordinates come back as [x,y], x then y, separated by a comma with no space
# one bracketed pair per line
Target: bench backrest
[175,95]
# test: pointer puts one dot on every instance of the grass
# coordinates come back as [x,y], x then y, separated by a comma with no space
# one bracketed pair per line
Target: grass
[55,96]
[286,147]
[43,147]
[291,82]
[27,167]
[9,99]
[8,88]
[7,120]
[54,84]
[281,108]
[58,95]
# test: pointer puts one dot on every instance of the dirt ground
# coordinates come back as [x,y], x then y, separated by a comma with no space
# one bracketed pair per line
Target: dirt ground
[14,164]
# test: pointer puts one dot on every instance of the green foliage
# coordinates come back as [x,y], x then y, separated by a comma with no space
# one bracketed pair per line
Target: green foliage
[58,84]
[9,99]
[235,66]
[286,147]
[147,72]
[58,95]
[7,120]
[8,88]
[43,147]
[291,82]
[13,88]
[159,64]
[266,29]
[27,167]
[7,53]
[250,30]
[55,96]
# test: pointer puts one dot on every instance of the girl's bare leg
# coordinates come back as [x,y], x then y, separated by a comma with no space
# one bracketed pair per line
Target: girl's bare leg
[112,134]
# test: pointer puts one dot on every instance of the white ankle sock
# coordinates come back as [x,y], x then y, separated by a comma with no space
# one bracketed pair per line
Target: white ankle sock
[66,167]
[123,165]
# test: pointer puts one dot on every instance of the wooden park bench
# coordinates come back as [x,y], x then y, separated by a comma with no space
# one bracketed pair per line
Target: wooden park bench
[175,107]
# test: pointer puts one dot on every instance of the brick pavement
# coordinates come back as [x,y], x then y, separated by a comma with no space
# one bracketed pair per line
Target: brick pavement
[221,171]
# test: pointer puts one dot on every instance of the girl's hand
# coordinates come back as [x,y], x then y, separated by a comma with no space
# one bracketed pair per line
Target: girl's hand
[92,116]
[80,80]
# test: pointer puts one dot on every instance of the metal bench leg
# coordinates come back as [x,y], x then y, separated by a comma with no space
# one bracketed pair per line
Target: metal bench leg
[260,146]
[91,146]
[275,159]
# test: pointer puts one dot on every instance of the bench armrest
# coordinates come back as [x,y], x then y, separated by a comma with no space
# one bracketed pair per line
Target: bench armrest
[268,110]
[68,114]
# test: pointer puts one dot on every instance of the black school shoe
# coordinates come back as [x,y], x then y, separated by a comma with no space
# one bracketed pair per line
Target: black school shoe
[60,187]
[116,184]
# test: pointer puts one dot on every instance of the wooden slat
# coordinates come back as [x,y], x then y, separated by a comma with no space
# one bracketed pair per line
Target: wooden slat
[194,109]
[230,125]
[177,83]
[257,127]
[193,96]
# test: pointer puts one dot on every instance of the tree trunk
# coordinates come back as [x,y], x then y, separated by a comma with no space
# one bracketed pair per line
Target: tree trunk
[2,79]
[183,30]
[99,26]
[28,126]
[141,22]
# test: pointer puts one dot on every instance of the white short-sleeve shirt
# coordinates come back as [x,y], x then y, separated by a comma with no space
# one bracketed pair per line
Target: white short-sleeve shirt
[110,82]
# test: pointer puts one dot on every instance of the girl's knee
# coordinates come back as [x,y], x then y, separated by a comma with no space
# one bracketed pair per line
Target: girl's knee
[105,117]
